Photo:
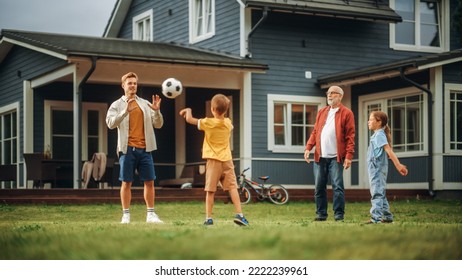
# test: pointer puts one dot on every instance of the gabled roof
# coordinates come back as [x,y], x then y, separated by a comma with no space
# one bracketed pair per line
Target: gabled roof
[66,46]
[374,10]
[391,69]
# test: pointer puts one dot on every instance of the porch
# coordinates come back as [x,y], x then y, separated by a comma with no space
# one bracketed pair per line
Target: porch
[164,194]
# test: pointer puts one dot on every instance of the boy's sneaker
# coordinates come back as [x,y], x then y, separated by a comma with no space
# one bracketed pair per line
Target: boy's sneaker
[387,221]
[153,218]
[208,222]
[240,220]
[125,219]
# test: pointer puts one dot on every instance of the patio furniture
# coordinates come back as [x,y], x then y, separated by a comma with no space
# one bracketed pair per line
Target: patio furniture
[39,171]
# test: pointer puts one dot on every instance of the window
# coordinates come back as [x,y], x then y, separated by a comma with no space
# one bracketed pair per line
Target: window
[9,138]
[142,26]
[406,119]
[59,131]
[201,20]
[453,99]
[423,27]
[291,120]
[405,115]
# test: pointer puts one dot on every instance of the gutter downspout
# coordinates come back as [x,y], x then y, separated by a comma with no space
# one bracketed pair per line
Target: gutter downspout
[262,19]
[78,133]
[430,129]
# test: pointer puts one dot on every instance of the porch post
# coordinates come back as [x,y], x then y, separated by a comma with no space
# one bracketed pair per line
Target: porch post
[246,122]
[77,121]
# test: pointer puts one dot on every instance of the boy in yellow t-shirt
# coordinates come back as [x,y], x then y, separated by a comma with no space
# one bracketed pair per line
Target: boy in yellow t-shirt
[217,152]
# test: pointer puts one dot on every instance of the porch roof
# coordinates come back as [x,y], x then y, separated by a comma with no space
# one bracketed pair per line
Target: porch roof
[392,69]
[371,10]
[66,46]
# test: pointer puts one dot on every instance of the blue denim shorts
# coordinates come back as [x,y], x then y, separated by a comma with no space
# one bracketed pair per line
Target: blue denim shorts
[136,159]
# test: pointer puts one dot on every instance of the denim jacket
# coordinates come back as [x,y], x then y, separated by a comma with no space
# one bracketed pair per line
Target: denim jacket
[118,116]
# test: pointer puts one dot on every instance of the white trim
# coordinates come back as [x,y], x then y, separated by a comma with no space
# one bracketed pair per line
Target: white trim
[362,130]
[10,108]
[242,30]
[246,122]
[102,108]
[192,23]
[40,50]
[28,117]
[53,76]
[436,87]
[273,98]
[180,134]
[448,87]
[142,18]
[444,30]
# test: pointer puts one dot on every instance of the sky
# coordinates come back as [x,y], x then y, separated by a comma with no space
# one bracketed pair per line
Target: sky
[77,17]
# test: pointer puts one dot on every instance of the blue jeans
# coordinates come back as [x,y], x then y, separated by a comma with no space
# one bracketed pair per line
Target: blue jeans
[325,168]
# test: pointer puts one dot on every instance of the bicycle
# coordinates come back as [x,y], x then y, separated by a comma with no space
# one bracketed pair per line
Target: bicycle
[276,193]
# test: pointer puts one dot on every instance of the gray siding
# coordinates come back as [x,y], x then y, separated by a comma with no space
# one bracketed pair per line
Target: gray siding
[284,172]
[292,44]
[137,7]
[24,64]
[227,28]
[453,73]
[452,169]
[171,23]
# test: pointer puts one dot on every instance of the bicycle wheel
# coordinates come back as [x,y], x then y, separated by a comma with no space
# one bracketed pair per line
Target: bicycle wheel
[244,194]
[278,194]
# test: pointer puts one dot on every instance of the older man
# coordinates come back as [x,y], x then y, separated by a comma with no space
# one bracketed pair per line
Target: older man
[334,138]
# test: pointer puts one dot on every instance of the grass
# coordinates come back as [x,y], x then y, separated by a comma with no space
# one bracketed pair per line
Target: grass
[422,229]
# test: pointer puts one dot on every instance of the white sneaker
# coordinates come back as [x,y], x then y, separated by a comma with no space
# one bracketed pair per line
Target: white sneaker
[153,218]
[125,219]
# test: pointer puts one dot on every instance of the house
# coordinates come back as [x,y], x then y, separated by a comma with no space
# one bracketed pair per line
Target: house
[274,59]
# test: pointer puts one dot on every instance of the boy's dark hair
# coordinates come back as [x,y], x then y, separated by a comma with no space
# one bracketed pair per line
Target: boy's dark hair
[220,103]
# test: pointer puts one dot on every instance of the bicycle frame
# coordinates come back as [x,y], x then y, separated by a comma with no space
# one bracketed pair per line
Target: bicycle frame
[276,193]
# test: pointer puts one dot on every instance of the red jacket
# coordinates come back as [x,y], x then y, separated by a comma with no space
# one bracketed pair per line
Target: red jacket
[344,128]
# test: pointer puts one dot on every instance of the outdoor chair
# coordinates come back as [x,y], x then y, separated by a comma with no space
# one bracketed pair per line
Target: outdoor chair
[39,171]
[8,173]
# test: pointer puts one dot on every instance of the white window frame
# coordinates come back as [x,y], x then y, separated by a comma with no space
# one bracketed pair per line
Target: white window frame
[8,109]
[194,7]
[86,106]
[320,102]
[383,98]
[444,29]
[448,88]
[146,19]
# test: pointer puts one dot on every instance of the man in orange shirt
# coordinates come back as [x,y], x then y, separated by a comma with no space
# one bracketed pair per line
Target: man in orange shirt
[334,138]
[135,119]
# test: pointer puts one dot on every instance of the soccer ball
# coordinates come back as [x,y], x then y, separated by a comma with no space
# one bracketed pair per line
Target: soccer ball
[171,88]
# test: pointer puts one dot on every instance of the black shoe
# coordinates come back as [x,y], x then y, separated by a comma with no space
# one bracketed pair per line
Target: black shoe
[208,222]
[339,219]
[319,219]
[387,221]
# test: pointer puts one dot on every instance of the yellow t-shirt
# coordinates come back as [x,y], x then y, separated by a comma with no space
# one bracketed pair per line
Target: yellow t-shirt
[216,139]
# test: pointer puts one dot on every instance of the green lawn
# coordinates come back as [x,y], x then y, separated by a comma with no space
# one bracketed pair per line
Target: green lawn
[422,229]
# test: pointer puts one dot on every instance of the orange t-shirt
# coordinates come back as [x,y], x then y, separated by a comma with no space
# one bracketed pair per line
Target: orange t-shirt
[136,128]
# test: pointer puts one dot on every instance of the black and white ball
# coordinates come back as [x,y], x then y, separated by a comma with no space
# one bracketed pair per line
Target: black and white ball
[172,88]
